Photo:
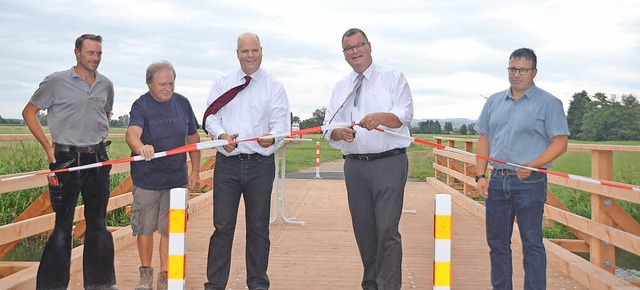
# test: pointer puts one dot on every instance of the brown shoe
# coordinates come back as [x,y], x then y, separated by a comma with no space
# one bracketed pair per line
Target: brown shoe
[146,279]
[162,280]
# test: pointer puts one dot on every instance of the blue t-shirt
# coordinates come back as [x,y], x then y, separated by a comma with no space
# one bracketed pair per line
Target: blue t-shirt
[519,131]
[165,126]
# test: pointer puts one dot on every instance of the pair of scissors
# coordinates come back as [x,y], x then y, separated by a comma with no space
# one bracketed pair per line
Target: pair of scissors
[352,124]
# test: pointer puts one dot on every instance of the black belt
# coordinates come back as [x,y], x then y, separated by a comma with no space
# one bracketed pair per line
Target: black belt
[244,156]
[374,156]
[79,149]
[504,172]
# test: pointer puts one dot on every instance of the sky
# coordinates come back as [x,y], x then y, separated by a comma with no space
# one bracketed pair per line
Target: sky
[453,53]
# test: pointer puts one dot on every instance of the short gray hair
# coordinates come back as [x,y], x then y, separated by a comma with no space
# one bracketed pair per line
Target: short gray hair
[352,31]
[156,66]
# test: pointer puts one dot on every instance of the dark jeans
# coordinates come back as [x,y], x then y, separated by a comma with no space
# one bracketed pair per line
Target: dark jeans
[252,178]
[98,267]
[375,191]
[509,198]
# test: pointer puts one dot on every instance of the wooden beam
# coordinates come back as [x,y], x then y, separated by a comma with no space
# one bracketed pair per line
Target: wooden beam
[552,200]
[569,263]
[611,235]
[621,217]
[576,246]
[8,267]
[602,253]
[26,228]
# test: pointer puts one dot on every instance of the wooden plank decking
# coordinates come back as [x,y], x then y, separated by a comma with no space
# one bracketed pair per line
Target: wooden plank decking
[322,254]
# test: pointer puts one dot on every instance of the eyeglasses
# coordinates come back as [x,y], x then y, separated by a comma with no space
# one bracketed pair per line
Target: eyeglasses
[356,47]
[521,71]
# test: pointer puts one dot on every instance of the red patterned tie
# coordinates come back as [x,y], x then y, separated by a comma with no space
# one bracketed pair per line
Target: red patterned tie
[223,100]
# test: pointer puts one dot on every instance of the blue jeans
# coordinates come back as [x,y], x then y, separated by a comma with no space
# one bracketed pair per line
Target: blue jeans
[252,178]
[509,198]
[98,262]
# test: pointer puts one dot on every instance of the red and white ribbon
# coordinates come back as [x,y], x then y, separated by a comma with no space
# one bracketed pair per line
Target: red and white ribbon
[180,150]
[561,174]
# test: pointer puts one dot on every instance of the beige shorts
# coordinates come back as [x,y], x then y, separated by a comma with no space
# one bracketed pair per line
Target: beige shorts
[150,211]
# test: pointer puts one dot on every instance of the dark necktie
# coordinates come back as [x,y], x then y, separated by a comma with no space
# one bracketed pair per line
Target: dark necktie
[223,100]
[354,93]
[356,90]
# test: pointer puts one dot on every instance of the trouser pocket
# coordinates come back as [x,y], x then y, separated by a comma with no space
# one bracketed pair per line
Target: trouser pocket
[55,191]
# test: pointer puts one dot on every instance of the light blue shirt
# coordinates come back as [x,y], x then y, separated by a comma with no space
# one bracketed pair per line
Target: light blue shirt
[520,130]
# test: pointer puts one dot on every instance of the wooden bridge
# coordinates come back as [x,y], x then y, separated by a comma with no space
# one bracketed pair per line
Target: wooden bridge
[322,254]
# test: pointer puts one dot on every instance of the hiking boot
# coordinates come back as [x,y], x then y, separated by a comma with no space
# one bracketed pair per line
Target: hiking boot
[146,278]
[162,280]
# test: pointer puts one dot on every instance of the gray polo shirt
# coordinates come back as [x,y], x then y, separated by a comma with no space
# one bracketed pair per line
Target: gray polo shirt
[519,131]
[76,113]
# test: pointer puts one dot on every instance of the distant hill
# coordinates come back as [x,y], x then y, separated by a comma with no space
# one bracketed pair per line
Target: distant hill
[456,122]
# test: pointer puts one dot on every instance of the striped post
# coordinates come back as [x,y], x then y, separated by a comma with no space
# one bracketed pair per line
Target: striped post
[317,159]
[442,246]
[177,238]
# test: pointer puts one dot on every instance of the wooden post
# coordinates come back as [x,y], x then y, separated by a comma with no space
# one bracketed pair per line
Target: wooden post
[450,179]
[437,172]
[468,169]
[602,254]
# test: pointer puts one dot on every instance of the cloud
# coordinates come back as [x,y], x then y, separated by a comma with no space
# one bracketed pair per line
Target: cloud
[451,52]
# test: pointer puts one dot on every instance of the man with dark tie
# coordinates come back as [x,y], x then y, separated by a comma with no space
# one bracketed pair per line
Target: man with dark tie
[246,102]
[376,164]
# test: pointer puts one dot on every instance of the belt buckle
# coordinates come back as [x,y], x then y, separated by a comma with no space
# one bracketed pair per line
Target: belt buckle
[364,158]
[87,149]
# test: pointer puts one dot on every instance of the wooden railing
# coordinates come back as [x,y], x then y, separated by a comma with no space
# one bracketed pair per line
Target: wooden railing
[39,217]
[610,226]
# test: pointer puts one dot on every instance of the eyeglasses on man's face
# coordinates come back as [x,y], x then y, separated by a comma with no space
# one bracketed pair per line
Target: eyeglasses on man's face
[521,71]
[349,49]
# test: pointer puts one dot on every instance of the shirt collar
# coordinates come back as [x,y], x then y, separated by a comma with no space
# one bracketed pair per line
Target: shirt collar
[74,74]
[528,94]
[367,73]
[256,76]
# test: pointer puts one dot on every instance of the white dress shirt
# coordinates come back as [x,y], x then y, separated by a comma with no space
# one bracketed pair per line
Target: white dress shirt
[260,108]
[383,89]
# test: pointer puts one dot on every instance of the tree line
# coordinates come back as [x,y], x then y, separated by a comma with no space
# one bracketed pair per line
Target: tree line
[425,127]
[604,118]
[591,118]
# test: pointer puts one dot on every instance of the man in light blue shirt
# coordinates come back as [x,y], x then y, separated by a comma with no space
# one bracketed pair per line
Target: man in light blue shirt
[522,125]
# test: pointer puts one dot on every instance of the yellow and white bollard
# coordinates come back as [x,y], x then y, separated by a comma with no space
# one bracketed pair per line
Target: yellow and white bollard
[177,238]
[317,159]
[442,245]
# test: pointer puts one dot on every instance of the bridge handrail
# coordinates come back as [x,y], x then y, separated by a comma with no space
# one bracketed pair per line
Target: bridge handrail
[42,219]
[609,224]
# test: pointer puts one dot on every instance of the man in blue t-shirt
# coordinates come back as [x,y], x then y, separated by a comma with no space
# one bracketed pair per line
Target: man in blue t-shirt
[160,120]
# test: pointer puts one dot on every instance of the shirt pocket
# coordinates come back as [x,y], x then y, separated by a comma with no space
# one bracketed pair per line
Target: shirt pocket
[260,113]
[530,119]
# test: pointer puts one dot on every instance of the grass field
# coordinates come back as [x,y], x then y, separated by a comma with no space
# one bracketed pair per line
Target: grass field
[26,156]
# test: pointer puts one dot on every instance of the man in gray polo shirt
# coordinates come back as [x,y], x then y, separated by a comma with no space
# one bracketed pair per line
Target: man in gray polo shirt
[78,103]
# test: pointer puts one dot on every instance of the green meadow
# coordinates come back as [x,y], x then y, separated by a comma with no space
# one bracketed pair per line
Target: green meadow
[25,156]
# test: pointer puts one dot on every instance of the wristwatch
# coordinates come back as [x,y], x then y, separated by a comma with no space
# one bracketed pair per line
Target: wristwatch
[480,176]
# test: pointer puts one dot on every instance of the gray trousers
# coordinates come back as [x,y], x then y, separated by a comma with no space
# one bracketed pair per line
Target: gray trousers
[375,192]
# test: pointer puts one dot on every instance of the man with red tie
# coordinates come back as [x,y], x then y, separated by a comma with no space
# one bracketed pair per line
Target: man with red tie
[246,102]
